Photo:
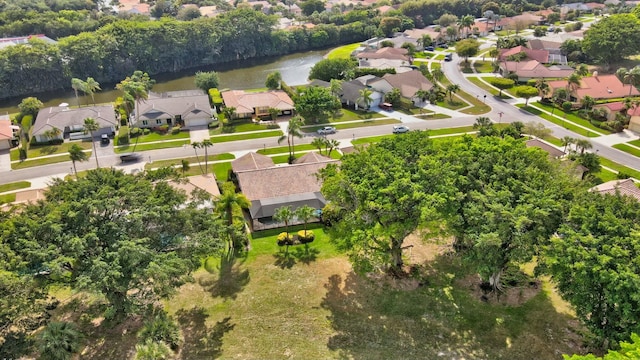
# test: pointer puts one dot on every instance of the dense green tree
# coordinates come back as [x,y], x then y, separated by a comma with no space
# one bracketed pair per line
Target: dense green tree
[393,97]
[628,351]
[389,25]
[327,69]
[30,106]
[136,87]
[206,80]
[502,83]
[310,6]
[58,341]
[379,200]
[591,261]
[188,13]
[613,38]
[526,92]
[316,103]
[273,80]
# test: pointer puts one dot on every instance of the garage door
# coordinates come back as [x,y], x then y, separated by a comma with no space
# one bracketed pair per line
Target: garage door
[197,122]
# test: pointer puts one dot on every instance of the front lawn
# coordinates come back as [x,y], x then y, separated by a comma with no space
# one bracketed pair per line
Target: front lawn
[565,124]
[43,161]
[192,160]
[483,67]
[453,105]
[635,142]
[7,198]
[628,149]
[14,186]
[241,127]
[620,168]
[150,146]
[153,136]
[571,116]
[342,52]
[478,106]
[245,136]
[351,115]
[44,150]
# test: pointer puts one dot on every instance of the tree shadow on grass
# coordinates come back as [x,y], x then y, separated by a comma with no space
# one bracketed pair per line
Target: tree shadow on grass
[373,320]
[285,259]
[232,277]
[201,341]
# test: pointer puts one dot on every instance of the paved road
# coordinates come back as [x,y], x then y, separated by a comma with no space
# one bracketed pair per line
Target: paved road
[512,113]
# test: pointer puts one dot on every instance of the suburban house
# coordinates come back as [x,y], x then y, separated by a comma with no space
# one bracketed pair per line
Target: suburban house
[311,157]
[384,58]
[634,123]
[8,133]
[533,69]
[257,104]
[624,187]
[134,7]
[70,122]
[611,108]
[251,161]
[522,21]
[598,87]
[417,34]
[21,40]
[351,93]
[543,56]
[553,47]
[186,108]
[550,149]
[205,183]
[270,188]
[409,83]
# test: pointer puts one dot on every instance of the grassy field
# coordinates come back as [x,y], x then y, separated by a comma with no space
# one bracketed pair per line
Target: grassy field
[432,116]
[628,149]
[342,52]
[14,186]
[620,168]
[44,161]
[247,136]
[44,150]
[150,146]
[478,106]
[572,117]
[634,142]
[342,126]
[565,124]
[452,105]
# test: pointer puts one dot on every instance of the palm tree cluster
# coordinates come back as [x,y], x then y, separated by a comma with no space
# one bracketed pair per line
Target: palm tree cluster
[293,131]
[631,77]
[328,144]
[88,87]
[580,145]
[204,144]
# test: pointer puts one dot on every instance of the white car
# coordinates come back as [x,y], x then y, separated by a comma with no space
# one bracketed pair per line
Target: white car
[399,129]
[327,130]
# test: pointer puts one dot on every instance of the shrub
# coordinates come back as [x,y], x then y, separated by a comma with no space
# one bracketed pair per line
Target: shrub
[621,175]
[163,129]
[213,124]
[162,328]
[146,131]
[123,135]
[216,98]
[135,132]
[175,130]
[284,239]
[306,236]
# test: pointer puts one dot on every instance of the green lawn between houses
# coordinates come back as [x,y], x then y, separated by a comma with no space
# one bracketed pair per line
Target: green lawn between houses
[36,151]
[14,186]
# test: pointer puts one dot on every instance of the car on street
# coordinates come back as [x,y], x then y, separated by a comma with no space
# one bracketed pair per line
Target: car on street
[448,57]
[327,130]
[132,157]
[399,129]
[104,139]
[429,48]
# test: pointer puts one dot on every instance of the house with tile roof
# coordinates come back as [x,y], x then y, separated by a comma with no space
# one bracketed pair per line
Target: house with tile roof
[409,83]
[70,122]
[599,87]
[311,157]
[257,104]
[350,93]
[8,133]
[625,187]
[634,123]
[611,109]
[532,69]
[187,108]
[251,161]
[542,56]
[548,148]
[386,53]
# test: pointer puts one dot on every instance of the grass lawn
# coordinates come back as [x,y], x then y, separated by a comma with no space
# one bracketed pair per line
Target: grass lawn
[436,65]
[150,146]
[14,186]
[572,117]
[247,136]
[479,107]
[456,130]
[605,175]
[365,123]
[43,161]
[634,142]
[44,150]
[153,136]
[7,198]
[553,140]
[240,127]
[422,55]
[628,149]
[453,105]
[620,168]
[433,116]
[439,57]
[192,160]
[351,115]
[553,119]
[484,86]
[342,52]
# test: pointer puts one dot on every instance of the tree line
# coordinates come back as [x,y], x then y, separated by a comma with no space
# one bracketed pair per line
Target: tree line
[167,45]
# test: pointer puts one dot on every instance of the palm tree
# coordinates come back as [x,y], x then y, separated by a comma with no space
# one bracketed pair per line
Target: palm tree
[227,204]
[91,125]
[318,142]
[77,84]
[206,144]
[631,77]
[152,350]
[423,95]
[588,102]
[229,112]
[543,87]
[494,52]
[451,89]
[331,145]
[52,133]
[583,144]
[451,33]
[283,214]
[293,131]
[76,154]
[305,213]
[365,97]
[137,88]
[90,87]
[197,145]
[437,74]
[582,70]
[335,87]
[567,141]
[184,166]
[466,22]
[59,340]
[573,82]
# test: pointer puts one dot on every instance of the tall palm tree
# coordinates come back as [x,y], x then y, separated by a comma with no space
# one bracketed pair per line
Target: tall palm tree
[77,84]
[318,142]
[293,131]
[588,102]
[583,144]
[331,145]
[206,144]
[284,214]
[566,141]
[90,87]
[543,87]
[573,82]
[451,89]
[228,205]
[423,95]
[52,133]
[197,145]
[365,97]
[582,70]
[335,87]
[137,87]
[494,52]
[466,22]
[91,125]
[305,213]
[59,340]
[631,77]
[184,166]
[76,154]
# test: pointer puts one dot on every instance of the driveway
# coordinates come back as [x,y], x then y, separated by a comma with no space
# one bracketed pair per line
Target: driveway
[199,133]
[5,160]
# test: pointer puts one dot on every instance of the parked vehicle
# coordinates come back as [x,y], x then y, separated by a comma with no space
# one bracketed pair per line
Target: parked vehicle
[104,139]
[327,130]
[429,48]
[386,106]
[448,57]
[132,157]
[399,129]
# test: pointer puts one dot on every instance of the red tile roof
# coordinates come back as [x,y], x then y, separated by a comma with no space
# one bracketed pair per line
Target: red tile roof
[246,102]
[539,55]
[6,132]
[388,53]
[533,69]
[614,106]
[624,187]
[634,111]
[599,87]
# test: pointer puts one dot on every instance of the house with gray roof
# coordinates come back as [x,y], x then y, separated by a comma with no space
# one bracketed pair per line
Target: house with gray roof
[70,122]
[185,108]
[351,93]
